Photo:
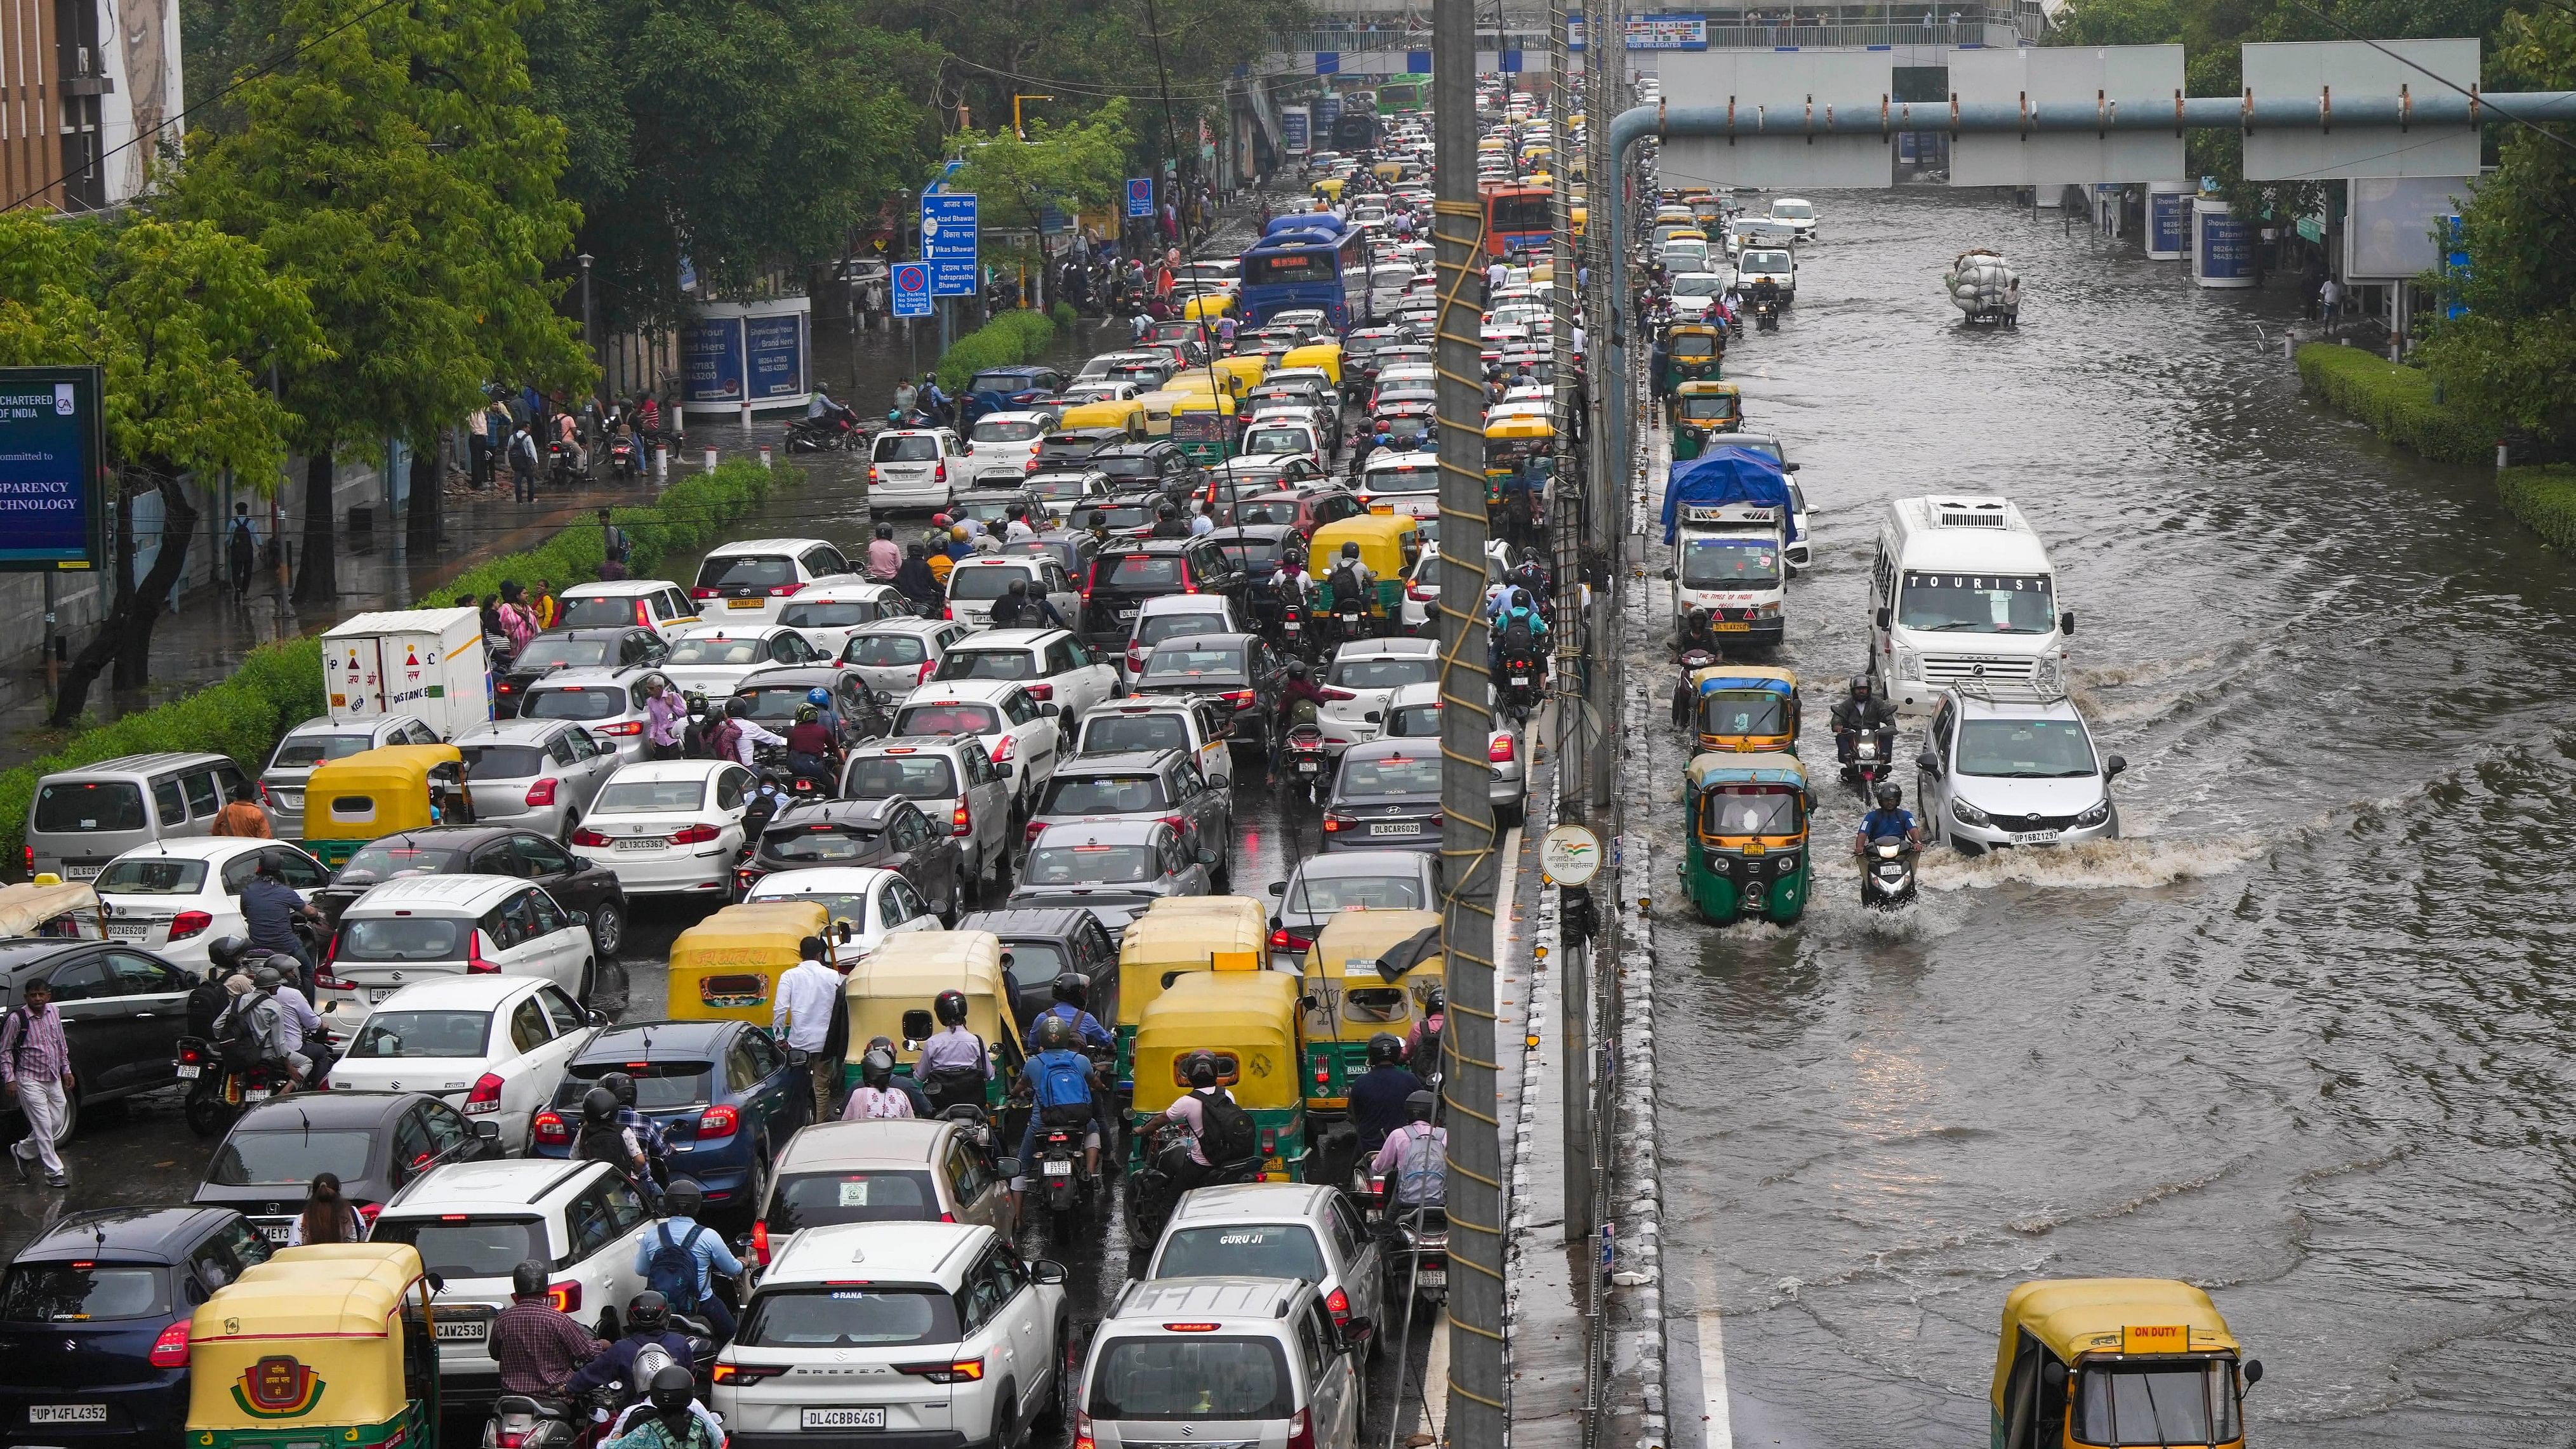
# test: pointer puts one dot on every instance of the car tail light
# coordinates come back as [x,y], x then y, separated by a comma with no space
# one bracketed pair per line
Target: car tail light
[760,1242]
[872,473]
[1002,751]
[31,850]
[747,1373]
[589,837]
[1036,829]
[331,951]
[170,1350]
[1301,1430]
[565,1296]
[1044,692]
[954,1371]
[643,615]
[622,729]
[1082,1437]
[693,835]
[719,1122]
[475,964]
[927,666]
[1422,593]
[542,792]
[939,474]
[1284,939]
[486,1096]
[1340,1303]
[189,923]
[1239,698]
[1332,823]
[264,800]
[1500,751]
[367,1213]
[1175,822]
[961,820]
[948,611]
[549,1130]
[700,594]
[784,591]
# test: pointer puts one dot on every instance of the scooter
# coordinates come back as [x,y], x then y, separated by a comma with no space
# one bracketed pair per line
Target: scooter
[1868,764]
[217,1094]
[1070,1191]
[1887,874]
[561,459]
[1417,1253]
[1152,1192]
[624,464]
[1766,316]
[1304,768]
[1523,682]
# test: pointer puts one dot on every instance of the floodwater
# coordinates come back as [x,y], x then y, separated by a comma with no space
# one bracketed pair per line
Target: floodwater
[2301,1037]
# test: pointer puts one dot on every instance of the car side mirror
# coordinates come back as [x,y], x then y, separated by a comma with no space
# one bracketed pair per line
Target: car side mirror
[1788,467]
[2253,1372]
[487,1129]
[1670,576]
[1883,616]
[599,1018]
[1047,1271]
[1278,888]
[2066,622]
[1002,769]
[2114,765]
[1928,762]
[438,1281]
[579,918]
[1356,1332]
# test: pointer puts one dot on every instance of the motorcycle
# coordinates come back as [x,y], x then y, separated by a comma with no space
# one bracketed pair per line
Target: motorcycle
[1304,768]
[625,462]
[1524,682]
[820,435]
[520,1422]
[217,1094]
[1887,874]
[1766,315]
[1153,1192]
[1070,1191]
[562,465]
[1868,764]
[1417,1254]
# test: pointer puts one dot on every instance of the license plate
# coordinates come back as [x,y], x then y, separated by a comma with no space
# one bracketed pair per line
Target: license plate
[645,844]
[1732,626]
[128,930]
[462,1330]
[1431,1278]
[745,603]
[67,1413]
[1400,827]
[1307,767]
[2033,837]
[80,872]
[188,1073]
[1520,679]
[1295,627]
[1125,613]
[274,1232]
[291,799]
[841,1419]
[1056,1169]
[376,995]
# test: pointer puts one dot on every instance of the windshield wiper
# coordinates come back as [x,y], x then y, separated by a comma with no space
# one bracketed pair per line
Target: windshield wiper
[1946,628]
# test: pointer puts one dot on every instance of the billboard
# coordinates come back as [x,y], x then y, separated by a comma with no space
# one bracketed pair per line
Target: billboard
[775,348]
[711,361]
[2388,233]
[53,460]
[2094,77]
[948,242]
[2330,72]
[1294,136]
[1659,31]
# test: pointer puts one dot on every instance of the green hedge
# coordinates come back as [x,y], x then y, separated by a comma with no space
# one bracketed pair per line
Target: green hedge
[1064,316]
[1017,336]
[278,686]
[2397,402]
[2543,497]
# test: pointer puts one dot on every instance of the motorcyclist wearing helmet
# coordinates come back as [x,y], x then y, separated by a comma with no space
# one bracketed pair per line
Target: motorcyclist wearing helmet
[1422,1044]
[1020,609]
[657,1148]
[669,1416]
[766,800]
[679,1231]
[1889,819]
[1058,1081]
[1072,992]
[1863,709]
[744,733]
[955,1064]
[1167,523]
[1378,1097]
[1353,581]
[875,1098]
[1685,694]
[1414,1160]
[256,1017]
[1187,1166]
[1300,697]
[1098,523]
[538,1345]
[301,1029]
[208,1000]
[812,752]
[602,1138]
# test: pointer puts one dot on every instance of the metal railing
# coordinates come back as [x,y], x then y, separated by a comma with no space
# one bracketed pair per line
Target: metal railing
[1988,29]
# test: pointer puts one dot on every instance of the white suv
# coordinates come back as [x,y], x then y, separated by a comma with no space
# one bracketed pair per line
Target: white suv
[1276,1230]
[2013,765]
[975,583]
[474,1222]
[954,782]
[1053,664]
[923,1333]
[914,468]
[745,583]
[1220,1361]
[421,927]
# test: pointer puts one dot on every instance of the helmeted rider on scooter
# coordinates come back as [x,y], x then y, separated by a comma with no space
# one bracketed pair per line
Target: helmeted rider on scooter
[1863,709]
[1889,819]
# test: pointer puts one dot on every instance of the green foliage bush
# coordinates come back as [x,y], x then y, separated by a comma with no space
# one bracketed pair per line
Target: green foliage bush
[1064,316]
[2397,402]
[278,686]
[2545,499]
[1017,336]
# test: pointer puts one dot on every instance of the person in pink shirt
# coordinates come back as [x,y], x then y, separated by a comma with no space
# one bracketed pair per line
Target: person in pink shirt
[885,556]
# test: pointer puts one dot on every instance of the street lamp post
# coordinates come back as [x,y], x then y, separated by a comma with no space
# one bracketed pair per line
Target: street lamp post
[590,327]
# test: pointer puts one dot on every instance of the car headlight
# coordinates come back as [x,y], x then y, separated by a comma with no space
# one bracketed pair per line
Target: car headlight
[1788,863]
[2100,811]
[1768,611]
[1967,814]
[2049,672]
[1909,665]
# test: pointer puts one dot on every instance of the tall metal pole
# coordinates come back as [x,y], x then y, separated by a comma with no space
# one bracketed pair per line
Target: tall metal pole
[1564,515]
[1469,845]
[590,339]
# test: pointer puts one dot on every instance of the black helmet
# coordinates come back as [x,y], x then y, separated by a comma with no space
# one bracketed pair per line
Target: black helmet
[1201,1068]
[1166,510]
[738,707]
[1074,990]
[673,1389]
[1098,519]
[619,1085]
[647,1312]
[1296,669]
[1054,1033]
[950,1008]
[1890,795]
[226,954]
[1019,588]
[1350,549]
[877,1068]
[1434,1002]
[1384,1050]
[1860,686]
[683,1198]
[1418,1106]
[885,530]
[599,1106]
[528,1280]
[881,1043]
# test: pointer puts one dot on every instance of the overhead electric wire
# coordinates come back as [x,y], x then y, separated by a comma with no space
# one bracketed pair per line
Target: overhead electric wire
[2476,101]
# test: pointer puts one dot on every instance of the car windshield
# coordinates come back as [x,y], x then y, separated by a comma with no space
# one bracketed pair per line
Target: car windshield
[1192,1376]
[1264,1250]
[402,938]
[595,611]
[1104,794]
[571,653]
[1730,563]
[1391,775]
[1254,555]
[850,906]
[503,762]
[1109,733]
[1421,477]
[906,448]
[468,1247]
[778,703]
[2183,1403]
[422,1034]
[1793,210]
[151,875]
[70,1293]
[79,806]
[1017,430]
[988,664]
[1709,408]
[1068,865]
[827,614]
[1765,262]
[575,702]
[716,651]
[1146,571]
[303,752]
[1382,673]
[1977,603]
[2025,749]
[382,861]
[915,777]
[1412,721]
[1692,345]
[884,649]
[852,1317]
[948,719]
[659,1086]
[1323,895]
[1743,712]
[1278,440]
[820,1199]
[1749,810]
[1155,628]
[649,797]
[747,570]
[818,844]
[1698,286]
[290,1156]
[1187,661]
[987,583]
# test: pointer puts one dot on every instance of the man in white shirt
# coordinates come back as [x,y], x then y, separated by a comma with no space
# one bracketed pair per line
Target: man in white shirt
[1204,521]
[809,1000]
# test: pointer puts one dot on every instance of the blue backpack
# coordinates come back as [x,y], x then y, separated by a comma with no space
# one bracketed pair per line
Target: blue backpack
[673,1269]
[1064,1082]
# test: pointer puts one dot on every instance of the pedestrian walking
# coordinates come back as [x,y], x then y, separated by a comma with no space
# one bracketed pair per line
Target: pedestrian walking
[242,819]
[523,466]
[613,548]
[2329,301]
[478,447]
[36,1063]
[241,552]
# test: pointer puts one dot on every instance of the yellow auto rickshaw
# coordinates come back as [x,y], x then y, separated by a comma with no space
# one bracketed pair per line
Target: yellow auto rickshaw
[1369,972]
[1701,410]
[1208,306]
[1578,217]
[1742,709]
[1175,936]
[1246,369]
[1125,414]
[1512,441]
[892,994]
[2085,1361]
[1324,355]
[1328,192]
[1207,428]
[1390,544]
[727,966]
[331,1345]
[1693,352]
[1247,1018]
[374,793]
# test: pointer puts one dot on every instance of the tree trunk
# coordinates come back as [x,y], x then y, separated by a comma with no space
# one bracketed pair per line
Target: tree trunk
[320,581]
[428,485]
[125,638]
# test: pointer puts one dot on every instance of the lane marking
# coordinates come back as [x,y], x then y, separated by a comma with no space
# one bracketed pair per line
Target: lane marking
[1435,1374]
[1712,1376]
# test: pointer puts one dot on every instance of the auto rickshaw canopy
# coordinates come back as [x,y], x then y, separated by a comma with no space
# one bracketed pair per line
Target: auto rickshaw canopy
[1519,427]
[1247,1018]
[907,972]
[728,965]
[1761,784]
[1711,688]
[1221,404]
[1389,543]
[1179,935]
[313,1335]
[1207,306]
[1700,390]
[1690,341]
[2075,1317]
[1125,414]
[1350,996]
[1711,770]
[375,793]
[1245,368]
[1325,355]
[41,910]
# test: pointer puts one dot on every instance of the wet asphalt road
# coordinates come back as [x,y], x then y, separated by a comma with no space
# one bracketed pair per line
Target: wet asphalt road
[2300,1037]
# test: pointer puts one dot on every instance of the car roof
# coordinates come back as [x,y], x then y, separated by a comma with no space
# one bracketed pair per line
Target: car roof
[461,993]
[1188,603]
[21,951]
[590,676]
[673,769]
[1412,746]
[510,1181]
[615,588]
[1016,562]
[774,675]
[839,812]
[510,730]
[323,724]
[1035,920]
[409,892]
[908,744]
[655,1041]
[1208,1297]
[1107,830]
[137,764]
[1386,648]
[904,1251]
[1367,862]
[770,545]
[905,1141]
[154,1234]
[1203,641]
[2011,703]
[731,631]
[816,879]
[962,691]
[203,847]
[1013,638]
[901,624]
[1254,1202]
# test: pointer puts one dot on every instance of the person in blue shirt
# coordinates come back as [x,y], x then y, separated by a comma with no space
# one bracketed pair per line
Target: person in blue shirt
[269,908]
[1887,820]
[1378,1097]
[1058,1080]
[680,1227]
[1072,1000]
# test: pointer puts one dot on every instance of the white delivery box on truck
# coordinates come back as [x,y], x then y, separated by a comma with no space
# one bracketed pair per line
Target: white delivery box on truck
[423,662]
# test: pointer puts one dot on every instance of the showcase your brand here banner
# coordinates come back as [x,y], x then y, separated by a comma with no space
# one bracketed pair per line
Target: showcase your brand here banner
[1659,31]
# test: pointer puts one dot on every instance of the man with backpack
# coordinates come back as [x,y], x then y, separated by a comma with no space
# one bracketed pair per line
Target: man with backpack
[680,1255]
[1414,1160]
[1354,586]
[1220,1130]
[1517,632]
[241,552]
[1058,1081]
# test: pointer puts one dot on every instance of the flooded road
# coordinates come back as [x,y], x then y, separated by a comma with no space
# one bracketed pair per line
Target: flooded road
[2300,1037]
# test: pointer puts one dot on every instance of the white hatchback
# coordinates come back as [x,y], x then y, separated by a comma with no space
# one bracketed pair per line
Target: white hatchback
[873,901]
[179,896]
[1053,664]
[829,614]
[1016,730]
[895,655]
[1372,670]
[975,583]
[713,658]
[490,1046]
[745,582]
[915,468]
[667,826]
[422,927]
[1004,443]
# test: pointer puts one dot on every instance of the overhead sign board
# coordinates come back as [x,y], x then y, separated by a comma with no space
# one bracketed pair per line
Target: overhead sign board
[2335,71]
[2092,78]
[53,450]
[1805,119]
[912,290]
[948,243]
[1659,31]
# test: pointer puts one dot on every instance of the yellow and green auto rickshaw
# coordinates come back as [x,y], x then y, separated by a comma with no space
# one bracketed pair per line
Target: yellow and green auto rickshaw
[1748,853]
[2090,1361]
[728,965]
[1745,709]
[1701,410]
[1247,1018]
[891,994]
[1242,371]
[1208,306]
[1174,937]
[1208,427]
[1324,355]
[1390,544]
[1125,414]
[332,1345]
[374,793]
[1515,475]
[1693,352]
[1369,972]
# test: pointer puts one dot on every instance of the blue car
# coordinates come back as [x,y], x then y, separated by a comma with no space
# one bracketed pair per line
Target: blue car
[1007,390]
[94,1322]
[722,1092]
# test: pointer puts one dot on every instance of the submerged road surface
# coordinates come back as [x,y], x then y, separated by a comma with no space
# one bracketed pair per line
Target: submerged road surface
[2301,1037]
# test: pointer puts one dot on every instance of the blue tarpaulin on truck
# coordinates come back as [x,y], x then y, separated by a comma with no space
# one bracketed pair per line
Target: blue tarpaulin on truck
[1727,474]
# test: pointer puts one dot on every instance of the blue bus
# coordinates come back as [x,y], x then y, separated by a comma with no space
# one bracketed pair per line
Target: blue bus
[1312,259]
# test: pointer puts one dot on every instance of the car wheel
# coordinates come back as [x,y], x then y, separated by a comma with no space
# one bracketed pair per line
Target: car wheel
[1058,1411]
[608,927]
[1008,1432]
[956,899]
[755,1183]
[589,980]
[70,1124]
[1965,846]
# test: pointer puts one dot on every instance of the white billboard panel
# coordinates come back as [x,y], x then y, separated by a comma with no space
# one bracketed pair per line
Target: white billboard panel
[2327,71]
[2135,76]
[2389,231]
[1803,118]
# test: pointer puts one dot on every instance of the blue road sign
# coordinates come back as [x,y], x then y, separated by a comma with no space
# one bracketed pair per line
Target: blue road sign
[948,243]
[1140,196]
[912,290]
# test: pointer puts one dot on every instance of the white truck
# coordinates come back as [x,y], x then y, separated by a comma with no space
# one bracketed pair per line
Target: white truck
[423,662]
[1729,564]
